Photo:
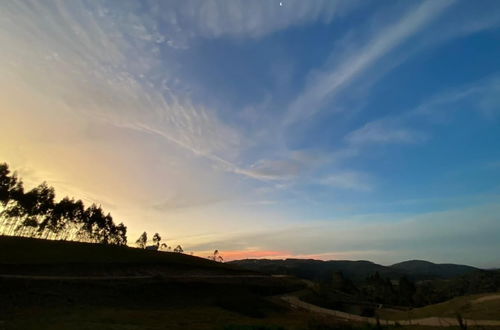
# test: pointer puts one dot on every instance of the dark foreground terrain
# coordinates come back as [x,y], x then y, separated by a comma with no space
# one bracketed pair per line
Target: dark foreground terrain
[361,286]
[67,285]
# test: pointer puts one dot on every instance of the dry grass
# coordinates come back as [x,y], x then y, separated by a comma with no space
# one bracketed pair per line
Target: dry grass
[468,306]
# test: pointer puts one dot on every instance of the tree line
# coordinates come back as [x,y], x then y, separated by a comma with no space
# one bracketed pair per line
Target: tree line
[142,243]
[36,213]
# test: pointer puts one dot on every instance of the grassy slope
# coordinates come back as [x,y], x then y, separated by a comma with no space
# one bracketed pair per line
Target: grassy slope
[466,306]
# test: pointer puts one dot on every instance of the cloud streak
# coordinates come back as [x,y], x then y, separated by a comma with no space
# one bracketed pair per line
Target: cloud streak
[384,131]
[437,234]
[95,100]
[349,180]
[190,19]
[325,85]
[110,87]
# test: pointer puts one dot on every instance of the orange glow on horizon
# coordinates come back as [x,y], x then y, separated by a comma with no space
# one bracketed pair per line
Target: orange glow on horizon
[231,255]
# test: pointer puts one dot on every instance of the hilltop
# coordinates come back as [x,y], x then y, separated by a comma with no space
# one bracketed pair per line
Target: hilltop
[318,270]
[49,257]
[424,268]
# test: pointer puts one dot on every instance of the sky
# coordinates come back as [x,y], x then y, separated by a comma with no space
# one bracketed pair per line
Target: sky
[361,130]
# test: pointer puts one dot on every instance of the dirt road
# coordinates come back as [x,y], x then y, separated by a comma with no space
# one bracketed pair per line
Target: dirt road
[428,321]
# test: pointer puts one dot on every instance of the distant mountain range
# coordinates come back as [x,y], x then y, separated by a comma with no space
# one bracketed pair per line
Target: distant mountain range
[355,270]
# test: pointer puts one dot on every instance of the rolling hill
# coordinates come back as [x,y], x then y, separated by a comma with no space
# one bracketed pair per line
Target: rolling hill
[81,286]
[22,255]
[355,270]
[54,285]
[317,270]
[423,268]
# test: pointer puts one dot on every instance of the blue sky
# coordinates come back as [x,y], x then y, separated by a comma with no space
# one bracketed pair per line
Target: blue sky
[325,129]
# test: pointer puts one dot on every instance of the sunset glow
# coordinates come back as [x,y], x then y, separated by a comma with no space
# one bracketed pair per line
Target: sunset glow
[265,129]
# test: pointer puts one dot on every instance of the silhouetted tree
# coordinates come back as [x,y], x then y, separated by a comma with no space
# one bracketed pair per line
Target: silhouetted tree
[157,239]
[406,291]
[178,249]
[216,256]
[379,289]
[121,234]
[341,283]
[30,209]
[9,185]
[142,240]
[36,214]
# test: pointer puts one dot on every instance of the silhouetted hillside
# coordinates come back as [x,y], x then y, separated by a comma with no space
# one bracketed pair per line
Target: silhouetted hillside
[48,284]
[319,270]
[412,283]
[421,268]
[21,255]
[479,281]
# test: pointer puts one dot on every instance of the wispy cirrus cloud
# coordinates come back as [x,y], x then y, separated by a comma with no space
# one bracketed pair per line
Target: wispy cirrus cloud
[384,131]
[101,70]
[384,239]
[325,85]
[349,180]
[190,19]
[95,103]
[269,169]
[291,165]
[99,116]
[480,97]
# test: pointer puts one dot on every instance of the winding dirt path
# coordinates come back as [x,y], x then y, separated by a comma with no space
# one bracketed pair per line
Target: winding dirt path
[428,321]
